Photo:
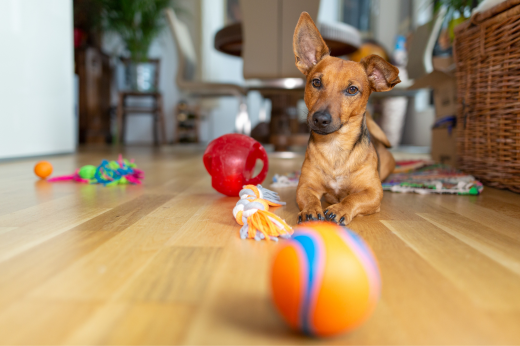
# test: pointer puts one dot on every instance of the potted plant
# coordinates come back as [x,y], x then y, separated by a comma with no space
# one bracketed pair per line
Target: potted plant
[457,11]
[138,23]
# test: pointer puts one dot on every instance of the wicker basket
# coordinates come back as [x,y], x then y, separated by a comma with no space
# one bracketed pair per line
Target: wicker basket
[487,53]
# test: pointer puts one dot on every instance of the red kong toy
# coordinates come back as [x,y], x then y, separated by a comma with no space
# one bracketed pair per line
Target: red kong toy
[230,160]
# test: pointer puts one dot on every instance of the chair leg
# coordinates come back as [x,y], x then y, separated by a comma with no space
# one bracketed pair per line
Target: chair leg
[242,121]
[120,116]
[123,131]
[161,122]
[155,130]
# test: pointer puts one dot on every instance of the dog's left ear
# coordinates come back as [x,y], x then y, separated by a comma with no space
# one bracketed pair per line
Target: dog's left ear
[382,75]
[308,45]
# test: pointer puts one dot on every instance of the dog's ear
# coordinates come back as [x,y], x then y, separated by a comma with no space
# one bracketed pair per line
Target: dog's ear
[382,75]
[308,45]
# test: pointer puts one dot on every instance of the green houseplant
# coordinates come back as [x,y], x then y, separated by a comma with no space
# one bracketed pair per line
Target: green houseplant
[137,23]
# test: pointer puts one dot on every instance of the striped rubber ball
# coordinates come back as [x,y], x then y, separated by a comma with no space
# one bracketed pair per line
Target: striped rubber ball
[325,280]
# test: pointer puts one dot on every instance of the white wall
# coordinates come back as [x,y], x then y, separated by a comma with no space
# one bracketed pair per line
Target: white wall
[36,78]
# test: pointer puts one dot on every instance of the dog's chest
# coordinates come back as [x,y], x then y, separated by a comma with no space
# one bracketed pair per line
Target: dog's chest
[338,184]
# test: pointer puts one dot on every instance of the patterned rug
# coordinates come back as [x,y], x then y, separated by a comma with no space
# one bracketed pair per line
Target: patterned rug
[432,178]
[420,176]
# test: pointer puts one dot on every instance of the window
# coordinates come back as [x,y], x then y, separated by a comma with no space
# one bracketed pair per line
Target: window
[357,13]
[233,14]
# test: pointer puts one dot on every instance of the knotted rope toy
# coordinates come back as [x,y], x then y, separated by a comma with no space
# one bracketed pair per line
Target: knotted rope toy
[252,212]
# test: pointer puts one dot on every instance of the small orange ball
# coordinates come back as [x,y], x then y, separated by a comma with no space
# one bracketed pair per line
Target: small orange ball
[43,169]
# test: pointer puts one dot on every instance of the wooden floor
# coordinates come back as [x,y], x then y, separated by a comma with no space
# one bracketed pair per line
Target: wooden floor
[163,264]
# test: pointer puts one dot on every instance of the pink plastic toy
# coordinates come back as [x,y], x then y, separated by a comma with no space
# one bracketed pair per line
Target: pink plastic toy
[230,160]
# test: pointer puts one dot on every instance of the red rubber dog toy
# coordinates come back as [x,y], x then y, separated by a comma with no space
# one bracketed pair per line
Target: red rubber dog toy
[230,160]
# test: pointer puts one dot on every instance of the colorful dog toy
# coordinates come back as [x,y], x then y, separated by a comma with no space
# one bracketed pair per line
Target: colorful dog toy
[107,173]
[252,212]
[325,280]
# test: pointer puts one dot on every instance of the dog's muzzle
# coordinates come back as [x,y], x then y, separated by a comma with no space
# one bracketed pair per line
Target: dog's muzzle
[321,123]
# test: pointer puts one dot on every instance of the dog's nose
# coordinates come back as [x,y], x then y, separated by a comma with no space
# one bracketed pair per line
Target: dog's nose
[321,119]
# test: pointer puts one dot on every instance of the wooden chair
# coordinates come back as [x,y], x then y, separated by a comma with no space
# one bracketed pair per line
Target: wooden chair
[156,110]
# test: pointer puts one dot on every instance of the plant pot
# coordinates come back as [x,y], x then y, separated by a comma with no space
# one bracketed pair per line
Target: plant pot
[140,76]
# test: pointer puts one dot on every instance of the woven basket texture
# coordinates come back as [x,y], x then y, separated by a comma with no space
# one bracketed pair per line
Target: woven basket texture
[487,55]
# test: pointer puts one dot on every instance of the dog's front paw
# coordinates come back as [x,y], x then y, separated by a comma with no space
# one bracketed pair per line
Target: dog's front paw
[310,214]
[339,214]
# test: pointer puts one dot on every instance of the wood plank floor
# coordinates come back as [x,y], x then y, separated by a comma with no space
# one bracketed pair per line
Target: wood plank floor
[163,264]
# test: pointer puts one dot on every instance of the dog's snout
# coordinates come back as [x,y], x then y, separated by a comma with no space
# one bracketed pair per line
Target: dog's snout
[321,119]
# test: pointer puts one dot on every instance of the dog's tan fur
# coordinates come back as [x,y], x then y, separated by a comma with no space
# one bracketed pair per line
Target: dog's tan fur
[342,166]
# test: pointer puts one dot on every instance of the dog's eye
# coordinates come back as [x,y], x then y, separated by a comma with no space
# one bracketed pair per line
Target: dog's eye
[316,83]
[352,90]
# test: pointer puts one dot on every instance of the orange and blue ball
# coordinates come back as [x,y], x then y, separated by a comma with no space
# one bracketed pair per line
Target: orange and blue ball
[325,280]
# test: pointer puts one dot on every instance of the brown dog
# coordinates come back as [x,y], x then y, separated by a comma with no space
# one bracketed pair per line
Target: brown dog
[341,163]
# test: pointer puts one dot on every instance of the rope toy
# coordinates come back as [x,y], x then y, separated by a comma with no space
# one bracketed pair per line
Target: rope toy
[107,173]
[252,213]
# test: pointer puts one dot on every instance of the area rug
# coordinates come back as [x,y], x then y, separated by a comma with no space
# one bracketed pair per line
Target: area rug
[432,178]
[420,176]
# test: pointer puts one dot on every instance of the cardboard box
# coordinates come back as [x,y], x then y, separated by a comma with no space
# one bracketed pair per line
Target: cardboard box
[444,64]
[444,146]
[444,85]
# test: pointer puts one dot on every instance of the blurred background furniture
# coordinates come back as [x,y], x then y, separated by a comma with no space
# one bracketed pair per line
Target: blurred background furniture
[342,39]
[422,43]
[95,77]
[397,122]
[155,110]
[95,73]
[186,74]
[187,119]
[275,74]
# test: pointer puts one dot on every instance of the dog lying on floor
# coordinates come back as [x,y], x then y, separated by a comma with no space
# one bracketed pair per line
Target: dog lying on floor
[346,158]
